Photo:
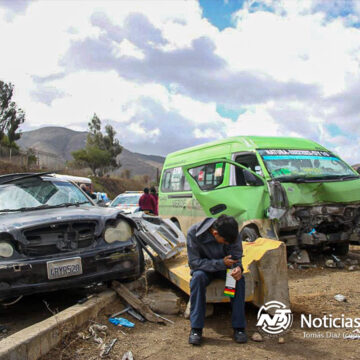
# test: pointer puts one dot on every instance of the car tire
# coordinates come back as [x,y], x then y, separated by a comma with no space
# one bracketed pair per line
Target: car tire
[341,249]
[248,234]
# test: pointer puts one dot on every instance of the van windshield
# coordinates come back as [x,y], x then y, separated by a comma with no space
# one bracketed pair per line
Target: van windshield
[304,165]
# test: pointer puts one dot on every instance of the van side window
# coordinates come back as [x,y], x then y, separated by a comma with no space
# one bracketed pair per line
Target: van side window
[208,176]
[174,181]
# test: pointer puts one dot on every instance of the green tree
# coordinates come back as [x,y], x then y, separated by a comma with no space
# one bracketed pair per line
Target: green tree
[101,150]
[11,117]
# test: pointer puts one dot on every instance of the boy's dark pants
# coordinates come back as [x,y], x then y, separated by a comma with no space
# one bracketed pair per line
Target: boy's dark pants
[199,281]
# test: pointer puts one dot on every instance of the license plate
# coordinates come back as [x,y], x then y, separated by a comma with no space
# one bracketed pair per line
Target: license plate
[64,268]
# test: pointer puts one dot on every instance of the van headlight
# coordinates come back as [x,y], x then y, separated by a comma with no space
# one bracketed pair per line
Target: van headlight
[6,250]
[122,231]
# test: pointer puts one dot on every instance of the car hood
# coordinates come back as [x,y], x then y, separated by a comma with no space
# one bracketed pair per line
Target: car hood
[344,192]
[25,219]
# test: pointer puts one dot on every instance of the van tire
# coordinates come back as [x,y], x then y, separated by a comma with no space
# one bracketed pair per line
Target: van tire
[248,234]
[176,222]
[341,249]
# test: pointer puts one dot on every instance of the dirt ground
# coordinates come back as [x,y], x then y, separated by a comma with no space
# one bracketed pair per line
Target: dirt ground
[312,292]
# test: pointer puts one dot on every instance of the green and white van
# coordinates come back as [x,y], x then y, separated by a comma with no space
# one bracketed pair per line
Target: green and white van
[291,189]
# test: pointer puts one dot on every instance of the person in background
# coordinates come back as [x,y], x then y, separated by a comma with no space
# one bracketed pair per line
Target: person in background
[154,194]
[147,202]
[86,189]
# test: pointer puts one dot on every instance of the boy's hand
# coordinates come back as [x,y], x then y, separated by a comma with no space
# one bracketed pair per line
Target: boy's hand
[228,261]
[236,273]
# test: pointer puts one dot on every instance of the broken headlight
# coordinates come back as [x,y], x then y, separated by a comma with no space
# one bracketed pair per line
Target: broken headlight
[120,231]
[6,250]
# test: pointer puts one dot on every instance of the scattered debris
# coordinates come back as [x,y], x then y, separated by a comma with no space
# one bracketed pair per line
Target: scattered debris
[128,356]
[281,340]
[353,268]
[257,337]
[83,336]
[95,329]
[107,348]
[164,318]
[352,261]
[135,302]
[330,263]
[339,263]
[307,266]
[164,302]
[131,312]
[300,257]
[340,298]
[162,235]
[118,321]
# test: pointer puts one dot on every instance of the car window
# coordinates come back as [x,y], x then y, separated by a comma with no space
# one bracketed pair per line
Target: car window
[173,180]
[35,191]
[304,163]
[208,176]
[126,200]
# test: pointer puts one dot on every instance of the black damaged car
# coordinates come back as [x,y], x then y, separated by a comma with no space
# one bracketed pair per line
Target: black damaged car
[52,236]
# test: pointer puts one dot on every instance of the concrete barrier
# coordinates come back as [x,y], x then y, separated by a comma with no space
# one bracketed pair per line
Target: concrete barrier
[35,341]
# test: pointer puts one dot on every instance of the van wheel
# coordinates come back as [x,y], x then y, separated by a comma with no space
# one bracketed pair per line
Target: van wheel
[341,249]
[176,223]
[248,234]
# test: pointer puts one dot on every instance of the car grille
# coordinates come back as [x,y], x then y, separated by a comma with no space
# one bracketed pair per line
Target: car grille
[56,238]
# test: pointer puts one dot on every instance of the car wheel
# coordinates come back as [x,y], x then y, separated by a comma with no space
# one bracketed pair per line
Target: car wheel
[248,234]
[341,249]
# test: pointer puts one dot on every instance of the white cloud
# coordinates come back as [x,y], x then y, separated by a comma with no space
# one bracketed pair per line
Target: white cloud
[159,74]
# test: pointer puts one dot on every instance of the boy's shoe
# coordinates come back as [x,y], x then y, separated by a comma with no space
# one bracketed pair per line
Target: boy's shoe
[240,336]
[195,336]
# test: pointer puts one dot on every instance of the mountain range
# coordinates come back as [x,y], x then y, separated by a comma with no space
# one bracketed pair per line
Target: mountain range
[61,142]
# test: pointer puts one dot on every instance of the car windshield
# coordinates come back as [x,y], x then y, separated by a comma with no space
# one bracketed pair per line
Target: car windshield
[290,165]
[37,192]
[126,200]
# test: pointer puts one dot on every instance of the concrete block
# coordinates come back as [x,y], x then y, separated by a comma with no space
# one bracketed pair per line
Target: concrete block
[163,302]
[35,341]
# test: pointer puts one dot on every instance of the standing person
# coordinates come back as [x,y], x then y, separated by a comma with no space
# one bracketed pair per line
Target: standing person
[213,246]
[154,194]
[147,202]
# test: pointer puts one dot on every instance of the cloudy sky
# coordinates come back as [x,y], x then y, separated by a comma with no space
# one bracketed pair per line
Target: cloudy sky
[172,74]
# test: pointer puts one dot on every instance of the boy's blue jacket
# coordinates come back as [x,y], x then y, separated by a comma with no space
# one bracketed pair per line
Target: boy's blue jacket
[205,253]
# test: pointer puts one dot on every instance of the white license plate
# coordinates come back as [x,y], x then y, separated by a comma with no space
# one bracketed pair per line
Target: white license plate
[64,268]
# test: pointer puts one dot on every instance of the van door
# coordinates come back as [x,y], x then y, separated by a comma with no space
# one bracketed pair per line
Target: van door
[226,187]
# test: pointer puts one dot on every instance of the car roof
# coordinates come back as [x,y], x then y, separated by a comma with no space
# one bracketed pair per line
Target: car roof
[224,147]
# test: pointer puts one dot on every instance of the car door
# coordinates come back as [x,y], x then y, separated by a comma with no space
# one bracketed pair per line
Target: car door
[216,185]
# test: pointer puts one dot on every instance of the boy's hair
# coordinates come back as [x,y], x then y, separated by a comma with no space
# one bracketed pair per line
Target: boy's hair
[153,190]
[227,227]
[146,190]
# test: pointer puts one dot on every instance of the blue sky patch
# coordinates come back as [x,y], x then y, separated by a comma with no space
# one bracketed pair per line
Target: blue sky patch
[229,113]
[219,12]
